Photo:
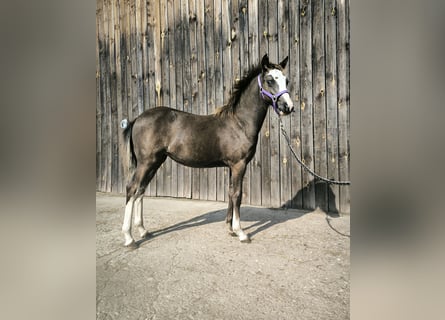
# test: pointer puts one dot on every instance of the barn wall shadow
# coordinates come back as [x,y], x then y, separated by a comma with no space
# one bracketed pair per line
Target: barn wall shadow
[324,198]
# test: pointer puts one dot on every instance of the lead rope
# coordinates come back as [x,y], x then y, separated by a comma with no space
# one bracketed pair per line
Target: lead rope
[330,181]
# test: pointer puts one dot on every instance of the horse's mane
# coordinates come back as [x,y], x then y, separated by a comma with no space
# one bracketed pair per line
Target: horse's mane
[238,89]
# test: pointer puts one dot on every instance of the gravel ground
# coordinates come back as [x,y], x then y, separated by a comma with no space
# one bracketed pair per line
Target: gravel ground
[296,267]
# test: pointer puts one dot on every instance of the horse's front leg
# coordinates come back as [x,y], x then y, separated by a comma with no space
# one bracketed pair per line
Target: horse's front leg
[229,215]
[235,195]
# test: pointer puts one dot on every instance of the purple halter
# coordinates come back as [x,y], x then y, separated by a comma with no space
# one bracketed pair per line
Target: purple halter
[274,98]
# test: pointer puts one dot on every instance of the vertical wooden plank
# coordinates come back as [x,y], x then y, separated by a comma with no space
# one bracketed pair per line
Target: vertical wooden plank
[115,163]
[202,86]
[137,58]
[103,112]
[125,69]
[331,103]
[179,58]
[194,103]
[306,105]
[283,51]
[157,56]
[274,138]
[226,65]
[133,60]
[156,78]
[164,53]
[144,52]
[226,53]
[152,13]
[294,88]
[210,84]
[254,34]
[172,85]
[226,49]
[162,87]
[222,173]
[113,101]
[343,100]
[119,97]
[244,36]
[165,85]
[193,27]
[187,86]
[241,33]
[119,90]
[126,62]
[252,180]
[99,93]
[110,100]
[138,74]
[106,116]
[234,41]
[319,103]
[264,142]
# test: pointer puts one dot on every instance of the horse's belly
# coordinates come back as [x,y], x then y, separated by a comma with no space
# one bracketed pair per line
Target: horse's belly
[197,162]
[196,156]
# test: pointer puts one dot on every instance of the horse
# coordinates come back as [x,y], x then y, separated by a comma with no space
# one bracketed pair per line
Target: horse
[226,138]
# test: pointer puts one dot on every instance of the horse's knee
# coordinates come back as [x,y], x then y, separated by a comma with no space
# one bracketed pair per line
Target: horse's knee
[130,191]
[140,192]
[135,190]
[235,195]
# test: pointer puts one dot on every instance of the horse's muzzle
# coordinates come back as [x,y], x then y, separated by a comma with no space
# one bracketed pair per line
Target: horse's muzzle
[286,109]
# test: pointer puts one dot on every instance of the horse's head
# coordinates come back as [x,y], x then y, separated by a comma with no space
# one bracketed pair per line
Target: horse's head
[273,86]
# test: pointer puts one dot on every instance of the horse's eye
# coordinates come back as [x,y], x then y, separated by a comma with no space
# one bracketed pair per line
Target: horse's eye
[270,82]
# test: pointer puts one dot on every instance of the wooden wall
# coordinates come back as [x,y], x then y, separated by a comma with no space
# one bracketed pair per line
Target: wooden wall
[187,54]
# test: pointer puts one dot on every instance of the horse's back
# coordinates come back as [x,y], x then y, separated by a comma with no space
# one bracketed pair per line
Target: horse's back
[171,121]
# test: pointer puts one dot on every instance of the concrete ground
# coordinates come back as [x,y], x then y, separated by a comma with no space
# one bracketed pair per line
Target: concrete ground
[296,267]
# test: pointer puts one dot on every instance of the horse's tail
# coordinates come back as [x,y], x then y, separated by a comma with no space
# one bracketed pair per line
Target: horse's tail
[129,160]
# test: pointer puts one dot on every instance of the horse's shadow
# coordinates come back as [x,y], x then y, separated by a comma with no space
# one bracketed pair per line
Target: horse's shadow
[262,218]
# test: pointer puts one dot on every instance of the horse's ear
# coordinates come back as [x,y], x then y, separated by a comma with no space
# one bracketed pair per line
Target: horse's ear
[284,62]
[265,62]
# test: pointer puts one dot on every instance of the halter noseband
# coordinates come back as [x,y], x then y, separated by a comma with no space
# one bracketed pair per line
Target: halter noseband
[274,98]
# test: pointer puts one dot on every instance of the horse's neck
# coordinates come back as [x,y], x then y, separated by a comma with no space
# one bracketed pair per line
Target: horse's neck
[252,109]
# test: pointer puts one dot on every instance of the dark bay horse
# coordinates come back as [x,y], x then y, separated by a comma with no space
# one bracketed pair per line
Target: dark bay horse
[226,138]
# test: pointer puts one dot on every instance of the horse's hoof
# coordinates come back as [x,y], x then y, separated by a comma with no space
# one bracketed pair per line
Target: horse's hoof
[145,235]
[245,239]
[131,246]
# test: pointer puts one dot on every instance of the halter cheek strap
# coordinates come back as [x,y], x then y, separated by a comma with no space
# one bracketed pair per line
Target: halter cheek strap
[272,97]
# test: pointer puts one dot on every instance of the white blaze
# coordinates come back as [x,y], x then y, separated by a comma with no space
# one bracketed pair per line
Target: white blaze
[280,79]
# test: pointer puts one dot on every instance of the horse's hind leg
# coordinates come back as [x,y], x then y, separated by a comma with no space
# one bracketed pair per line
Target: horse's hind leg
[126,227]
[138,217]
[142,176]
